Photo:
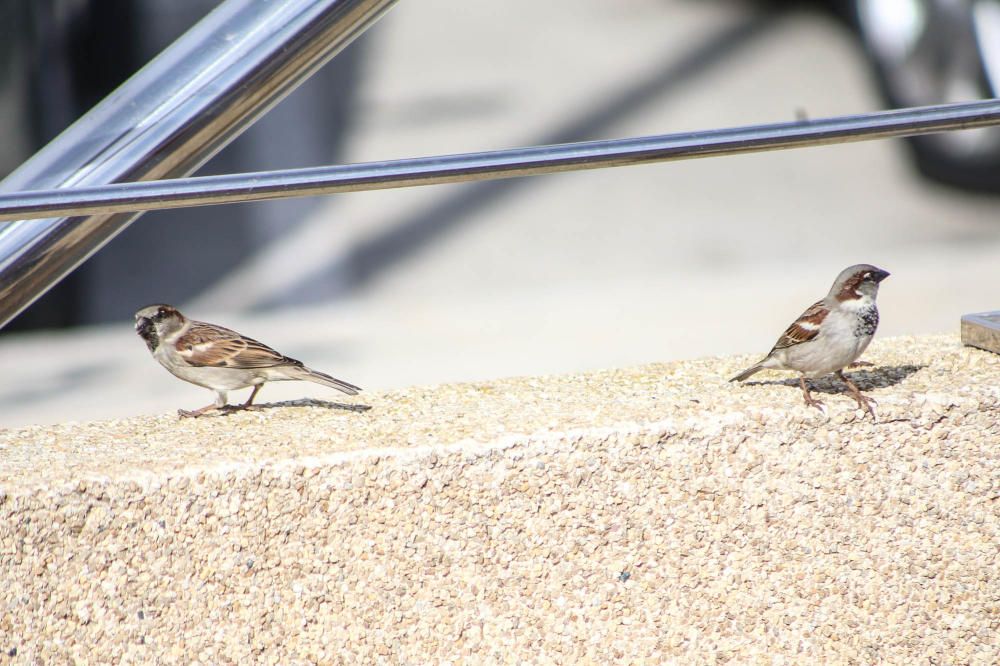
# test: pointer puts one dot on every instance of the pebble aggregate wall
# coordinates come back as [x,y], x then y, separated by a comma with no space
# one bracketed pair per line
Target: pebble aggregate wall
[649,515]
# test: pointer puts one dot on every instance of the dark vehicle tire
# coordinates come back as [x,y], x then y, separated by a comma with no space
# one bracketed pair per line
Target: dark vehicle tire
[935,52]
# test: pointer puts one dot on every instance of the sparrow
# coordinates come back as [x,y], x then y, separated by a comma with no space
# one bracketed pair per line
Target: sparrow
[218,358]
[830,335]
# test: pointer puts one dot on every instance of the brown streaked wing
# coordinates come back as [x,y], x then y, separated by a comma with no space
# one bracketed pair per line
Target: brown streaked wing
[803,329]
[208,345]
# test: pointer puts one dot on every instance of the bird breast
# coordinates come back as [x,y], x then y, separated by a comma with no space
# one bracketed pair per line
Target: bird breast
[843,337]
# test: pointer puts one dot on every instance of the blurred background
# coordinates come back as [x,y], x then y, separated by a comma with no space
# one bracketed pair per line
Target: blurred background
[527,276]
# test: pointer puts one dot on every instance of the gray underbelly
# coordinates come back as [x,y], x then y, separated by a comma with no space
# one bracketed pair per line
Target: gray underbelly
[223,379]
[817,360]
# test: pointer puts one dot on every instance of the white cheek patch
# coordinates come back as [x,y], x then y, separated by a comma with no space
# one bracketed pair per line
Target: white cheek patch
[855,304]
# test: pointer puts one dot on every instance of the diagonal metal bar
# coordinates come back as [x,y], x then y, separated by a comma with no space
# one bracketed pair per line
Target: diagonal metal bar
[165,121]
[232,188]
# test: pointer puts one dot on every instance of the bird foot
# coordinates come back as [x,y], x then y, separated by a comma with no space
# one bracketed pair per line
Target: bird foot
[812,402]
[213,410]
[196,413]
[867,404]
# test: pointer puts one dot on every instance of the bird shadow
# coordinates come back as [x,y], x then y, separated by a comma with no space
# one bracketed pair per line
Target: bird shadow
[302,402]
[323,404]
[876,378]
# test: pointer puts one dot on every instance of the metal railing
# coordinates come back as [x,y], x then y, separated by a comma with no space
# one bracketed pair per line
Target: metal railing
[489,165]
[166,121]
[239,61]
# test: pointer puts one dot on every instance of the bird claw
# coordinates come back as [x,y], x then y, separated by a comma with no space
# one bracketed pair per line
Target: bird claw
[869,405]
[204,411]
[192,414]
[820,406]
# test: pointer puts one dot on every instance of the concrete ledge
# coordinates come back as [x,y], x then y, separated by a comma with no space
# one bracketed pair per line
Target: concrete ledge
[629,516]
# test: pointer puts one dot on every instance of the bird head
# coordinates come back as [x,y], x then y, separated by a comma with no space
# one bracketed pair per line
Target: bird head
[156,322]
[858,282]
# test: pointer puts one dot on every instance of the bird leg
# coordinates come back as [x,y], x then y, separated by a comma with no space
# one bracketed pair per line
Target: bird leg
[864,402]
[811,401]
[219,404]
[249,403]
[195,413]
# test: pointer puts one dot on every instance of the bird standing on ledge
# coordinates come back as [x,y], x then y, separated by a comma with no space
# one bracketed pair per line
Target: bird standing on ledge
[830,335]
[218,358]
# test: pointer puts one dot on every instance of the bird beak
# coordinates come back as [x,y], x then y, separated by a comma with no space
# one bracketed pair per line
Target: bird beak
[880,275]
[142,325]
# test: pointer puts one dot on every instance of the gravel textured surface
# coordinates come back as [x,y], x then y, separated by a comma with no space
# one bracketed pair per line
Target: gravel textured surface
[630,516]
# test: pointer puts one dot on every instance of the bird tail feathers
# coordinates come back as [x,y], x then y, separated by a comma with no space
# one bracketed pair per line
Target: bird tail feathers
[318,377]
[752,370]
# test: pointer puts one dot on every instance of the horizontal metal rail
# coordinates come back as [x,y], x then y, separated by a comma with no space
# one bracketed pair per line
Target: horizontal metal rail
[233,188]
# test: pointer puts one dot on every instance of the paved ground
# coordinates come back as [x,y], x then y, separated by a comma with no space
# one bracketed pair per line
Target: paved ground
[575,271]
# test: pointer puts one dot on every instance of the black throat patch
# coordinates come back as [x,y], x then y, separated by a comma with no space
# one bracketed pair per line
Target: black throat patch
[148,333]
[867,321]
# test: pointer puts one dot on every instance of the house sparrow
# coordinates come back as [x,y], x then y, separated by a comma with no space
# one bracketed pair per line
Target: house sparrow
[218,358]
[830,335]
